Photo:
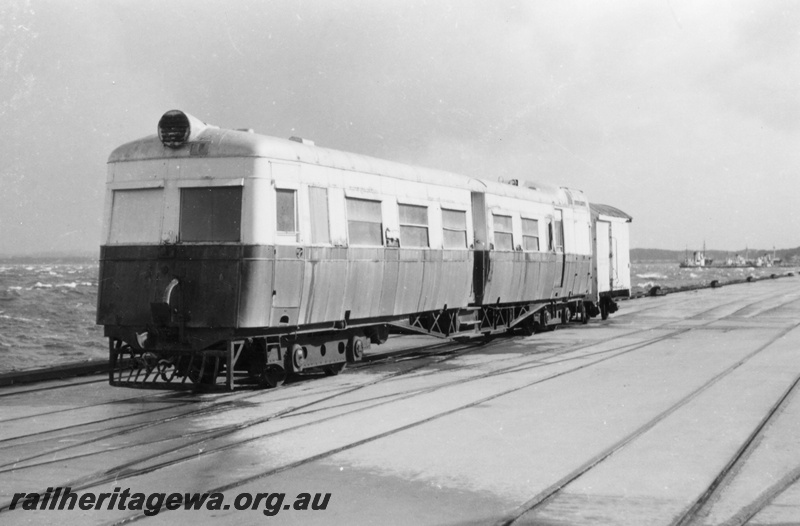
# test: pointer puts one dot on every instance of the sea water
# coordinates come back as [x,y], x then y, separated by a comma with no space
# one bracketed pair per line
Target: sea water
[668,275]
[47,315]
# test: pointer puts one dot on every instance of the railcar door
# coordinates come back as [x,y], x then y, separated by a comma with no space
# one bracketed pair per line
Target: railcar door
[620,257]
[604,256]
[482,263]
[558,247]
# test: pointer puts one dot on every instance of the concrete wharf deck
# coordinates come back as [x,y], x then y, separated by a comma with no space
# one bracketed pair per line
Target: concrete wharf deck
[682,409]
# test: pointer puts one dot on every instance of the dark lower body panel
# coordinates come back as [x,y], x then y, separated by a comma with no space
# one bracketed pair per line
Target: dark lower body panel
[257,307]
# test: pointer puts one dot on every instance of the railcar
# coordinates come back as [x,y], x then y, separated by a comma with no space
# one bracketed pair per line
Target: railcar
[611,259]
[230,254]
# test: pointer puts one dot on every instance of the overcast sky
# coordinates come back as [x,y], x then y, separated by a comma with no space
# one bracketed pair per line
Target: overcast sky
[684,114]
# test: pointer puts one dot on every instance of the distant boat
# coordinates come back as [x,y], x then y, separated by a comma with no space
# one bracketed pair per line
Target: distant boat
[698,260]
[738,262]
[767,260]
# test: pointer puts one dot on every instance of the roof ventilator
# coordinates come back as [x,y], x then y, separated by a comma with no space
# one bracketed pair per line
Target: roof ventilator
[176,128]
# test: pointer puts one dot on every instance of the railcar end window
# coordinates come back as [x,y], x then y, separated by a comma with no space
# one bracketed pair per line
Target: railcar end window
[454,227]
[211,214]
[286,210]
[414,226]
[136,216]
[503,237]
[364,223]
[530,234]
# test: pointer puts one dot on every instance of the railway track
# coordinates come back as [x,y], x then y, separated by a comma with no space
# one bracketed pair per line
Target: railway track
[129,469]
[543,497]
[537,500]
[698,511]
[59,385]
[222,402]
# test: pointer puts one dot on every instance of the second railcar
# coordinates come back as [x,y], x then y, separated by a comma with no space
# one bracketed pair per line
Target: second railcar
[611,259]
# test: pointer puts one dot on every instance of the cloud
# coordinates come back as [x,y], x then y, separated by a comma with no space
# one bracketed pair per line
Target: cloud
[677,112]
[759,74]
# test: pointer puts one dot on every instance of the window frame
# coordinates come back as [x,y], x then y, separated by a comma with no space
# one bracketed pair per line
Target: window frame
[526,236]
[448,229]
[186,190]
[279,191]
[121,234]
[425,210]
[510,232]
[348,220]
[558,233]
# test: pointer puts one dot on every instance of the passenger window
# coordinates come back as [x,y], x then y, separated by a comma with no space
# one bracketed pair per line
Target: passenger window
[286,210]
[503,237]
[454,226]
[136,216]
[211,214]
[558,233]
[414,226]
[364,224]
[530,234]
[318,201]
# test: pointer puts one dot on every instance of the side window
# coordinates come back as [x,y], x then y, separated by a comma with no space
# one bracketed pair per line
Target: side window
[318,205]
[558,233]
[503,238]
[454,228]
[530,234]
[286,210]
[211,214]
[364,224]
[414,226]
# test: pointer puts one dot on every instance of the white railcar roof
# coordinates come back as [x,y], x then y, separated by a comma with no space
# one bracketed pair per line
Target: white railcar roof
[609,211]
[218,143]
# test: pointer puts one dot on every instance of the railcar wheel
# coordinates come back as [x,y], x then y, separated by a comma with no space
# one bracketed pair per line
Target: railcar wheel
[547,318]
[528,327]
[298,355]
[273,376]
[268,375]
[355,350]
[333,370]
[584,313]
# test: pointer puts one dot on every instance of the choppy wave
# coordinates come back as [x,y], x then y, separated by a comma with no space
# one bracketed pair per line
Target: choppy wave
[16,318]
[670,275]
[47,315]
